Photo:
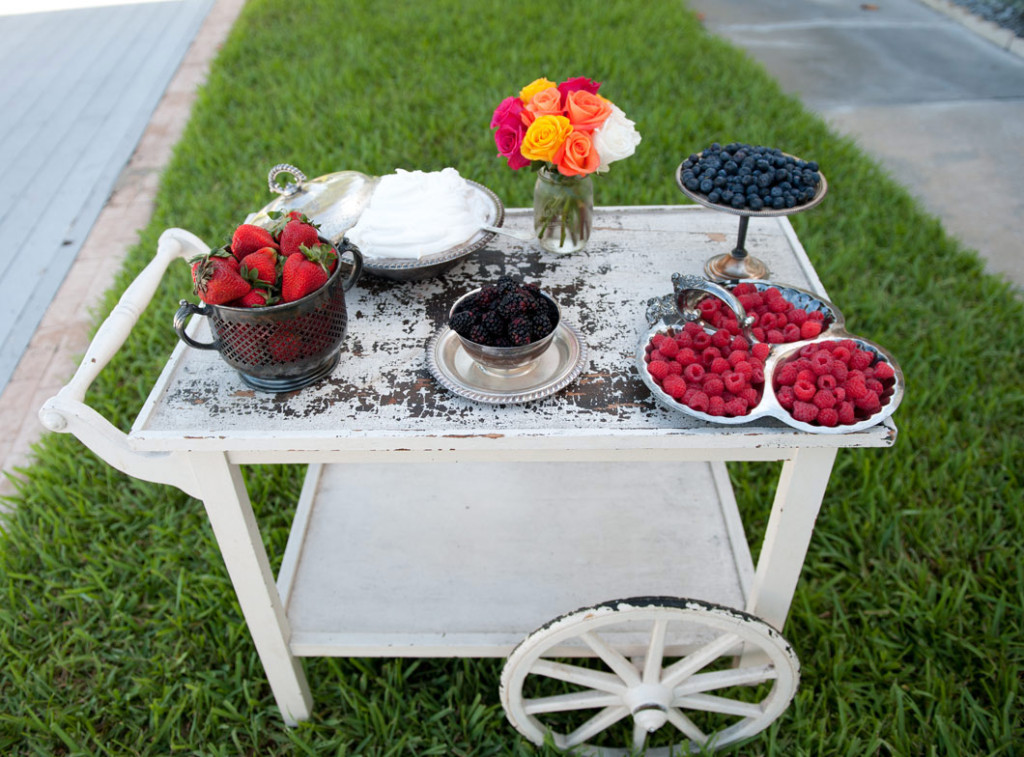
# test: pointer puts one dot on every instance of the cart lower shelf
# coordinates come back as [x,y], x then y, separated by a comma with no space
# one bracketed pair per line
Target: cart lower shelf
[466,559]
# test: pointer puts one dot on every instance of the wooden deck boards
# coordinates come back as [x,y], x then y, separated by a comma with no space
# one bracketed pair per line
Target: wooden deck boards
[77,88]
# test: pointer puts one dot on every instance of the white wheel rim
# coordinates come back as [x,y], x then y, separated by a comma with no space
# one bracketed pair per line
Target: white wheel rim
[656,690]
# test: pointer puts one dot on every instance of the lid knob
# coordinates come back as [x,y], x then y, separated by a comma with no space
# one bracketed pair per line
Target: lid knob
[292,186]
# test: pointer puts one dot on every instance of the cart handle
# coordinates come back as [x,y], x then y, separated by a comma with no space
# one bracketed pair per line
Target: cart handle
[66,411]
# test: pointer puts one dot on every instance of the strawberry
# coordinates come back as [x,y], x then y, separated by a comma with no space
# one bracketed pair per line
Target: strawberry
[260,266]
[297,233]
[216,281]
[249,238]
[256,298]
[300,277]
[224,254]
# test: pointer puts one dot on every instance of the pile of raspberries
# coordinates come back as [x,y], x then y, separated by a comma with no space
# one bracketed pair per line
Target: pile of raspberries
[720,374]
[507,313]
[776,320]
[833,383]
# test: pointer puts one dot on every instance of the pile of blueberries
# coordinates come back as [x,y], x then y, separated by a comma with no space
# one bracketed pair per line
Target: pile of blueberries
[750,177]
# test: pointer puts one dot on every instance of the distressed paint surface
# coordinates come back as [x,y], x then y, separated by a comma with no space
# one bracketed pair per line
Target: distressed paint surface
[382,388]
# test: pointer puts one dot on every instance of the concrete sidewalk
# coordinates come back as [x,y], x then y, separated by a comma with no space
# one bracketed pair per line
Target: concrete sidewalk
[934,95]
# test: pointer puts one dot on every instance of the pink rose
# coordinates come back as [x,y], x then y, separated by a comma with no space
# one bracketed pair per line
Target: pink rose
[576,84]
[510,108]
[509,138]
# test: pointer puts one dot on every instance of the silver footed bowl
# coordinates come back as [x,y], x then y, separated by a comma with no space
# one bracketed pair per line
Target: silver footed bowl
[506,361]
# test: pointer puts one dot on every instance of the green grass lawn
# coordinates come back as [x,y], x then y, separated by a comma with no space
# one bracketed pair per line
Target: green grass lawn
[119,632]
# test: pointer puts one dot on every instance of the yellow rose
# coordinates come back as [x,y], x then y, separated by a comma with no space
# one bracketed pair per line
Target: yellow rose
[526,93]
[545,135]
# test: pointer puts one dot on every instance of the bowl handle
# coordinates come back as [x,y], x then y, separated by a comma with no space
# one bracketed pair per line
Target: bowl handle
[181,319]
[357,263]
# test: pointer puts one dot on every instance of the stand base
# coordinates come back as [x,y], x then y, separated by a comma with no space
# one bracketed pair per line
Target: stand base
[727,267]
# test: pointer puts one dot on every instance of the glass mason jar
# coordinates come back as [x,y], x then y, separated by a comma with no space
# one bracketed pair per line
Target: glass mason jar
[563,210]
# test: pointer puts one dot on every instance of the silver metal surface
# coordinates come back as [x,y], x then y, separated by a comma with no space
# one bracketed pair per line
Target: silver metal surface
[457,371]
[428,266]
[768,407]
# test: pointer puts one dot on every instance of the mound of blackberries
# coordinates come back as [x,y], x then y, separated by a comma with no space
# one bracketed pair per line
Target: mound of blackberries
[508,313]
[750,177]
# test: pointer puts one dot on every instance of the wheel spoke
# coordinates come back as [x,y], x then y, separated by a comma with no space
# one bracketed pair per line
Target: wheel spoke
[613,659]
[639,737]
[711,703]
[680,671]
[655,652]
[606,718]
[686,726]
[722,679]
[577,700]
[591,679]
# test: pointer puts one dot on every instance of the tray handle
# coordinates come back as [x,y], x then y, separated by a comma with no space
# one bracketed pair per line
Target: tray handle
[66,411]
[686,286]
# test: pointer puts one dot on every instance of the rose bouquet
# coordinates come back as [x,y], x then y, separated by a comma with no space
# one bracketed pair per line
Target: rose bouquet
[567,132]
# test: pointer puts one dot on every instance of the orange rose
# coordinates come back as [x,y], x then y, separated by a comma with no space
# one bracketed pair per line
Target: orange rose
[545,135]
[547,102]
[526,93]
[577,156]
[586,111]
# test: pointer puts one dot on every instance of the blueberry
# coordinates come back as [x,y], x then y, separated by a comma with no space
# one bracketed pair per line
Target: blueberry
[731,167]
[714,196]
[776,191]
[746,180]
[778,203]
[720,181]
[706,186]
[755,203]
[692,184]
[812,165]
[727,195]
[738,201]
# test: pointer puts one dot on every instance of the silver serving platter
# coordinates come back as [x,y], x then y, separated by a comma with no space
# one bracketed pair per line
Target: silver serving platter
[456,371]
[415,269]
[700,199]
[669,313]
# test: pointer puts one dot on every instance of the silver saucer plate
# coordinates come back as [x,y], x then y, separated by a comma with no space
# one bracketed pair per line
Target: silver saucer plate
[457,372]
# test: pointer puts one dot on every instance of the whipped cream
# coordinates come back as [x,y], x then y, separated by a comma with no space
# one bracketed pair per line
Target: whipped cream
[413,213]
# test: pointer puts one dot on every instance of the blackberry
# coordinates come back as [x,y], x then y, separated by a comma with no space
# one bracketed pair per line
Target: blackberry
[477,334]
[540,326]
[520,331]
[507,284]
[493,323]
[487,296]
[514,304]
[462,322]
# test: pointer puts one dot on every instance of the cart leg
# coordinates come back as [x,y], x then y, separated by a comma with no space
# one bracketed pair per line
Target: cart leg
[798,499]
[234,526]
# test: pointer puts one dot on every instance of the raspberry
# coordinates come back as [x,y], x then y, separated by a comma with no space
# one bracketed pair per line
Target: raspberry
[674,386]
[739,343]
[839,371]
[721,338]
[816,315]
[758,333]
[827,382]
[751,395]
[737,356]
[824,399]
[810,329]
[821,362]
[847,344]
[686,356]
[733,381]
[684,340]
[757,375]
[828,417]
[766,321]
[847,413]
[669,348]
[884,371]
[699,402]
[779,304]
[791,333]
[840,394]
[750,302]
[797,316]
[761,351]
[786,397]
[804,412]
[774,336]
[719,365]
[657,339]
[856,388]
[736,407]
[708,307]
[709,355]
[656,355]
[861,359]
[787,375]
[807,351]
[713,386]
[658,369]
[868,403]
[674,369]
[806,374]
[841,354]
[716,406]
[874,386]
[695,372]
[692,328]
[701,341]
[741,289]
[745,369]
[804,390]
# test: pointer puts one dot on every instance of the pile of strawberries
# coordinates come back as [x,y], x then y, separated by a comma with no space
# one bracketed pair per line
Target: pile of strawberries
[262,267]
[720,374]
[834,383]
[776,320]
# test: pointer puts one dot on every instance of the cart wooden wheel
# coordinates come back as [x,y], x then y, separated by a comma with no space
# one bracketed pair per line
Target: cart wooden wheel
[639,664]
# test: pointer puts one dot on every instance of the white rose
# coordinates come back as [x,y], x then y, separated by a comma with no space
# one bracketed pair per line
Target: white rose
[615,139]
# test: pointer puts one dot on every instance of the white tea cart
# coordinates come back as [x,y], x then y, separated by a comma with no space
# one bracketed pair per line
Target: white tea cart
[591,536]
